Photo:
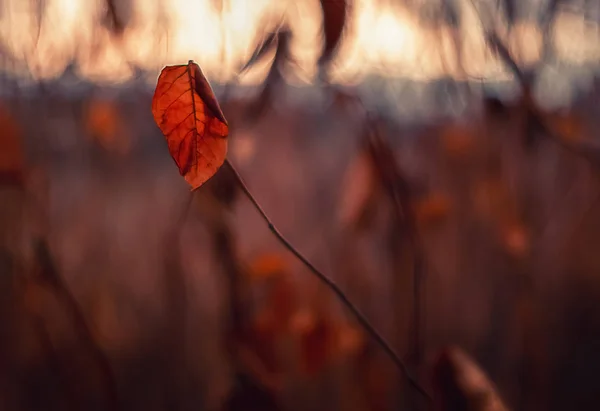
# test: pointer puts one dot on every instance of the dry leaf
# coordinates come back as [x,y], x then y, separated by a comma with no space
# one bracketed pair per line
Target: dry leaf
[516,240]
[568,126]
[334,20]
[282,301]
[461,385]
[104,125]
[492,201]
[267,265]
[350,340]
[359,191]
[187,112]
[317,340]
[457,141]
[432,209]
[102,119]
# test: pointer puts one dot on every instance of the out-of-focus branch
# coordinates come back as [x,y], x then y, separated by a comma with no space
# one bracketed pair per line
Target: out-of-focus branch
[398,191]
[113,18]
[43,337]
[50,276]
[525,79]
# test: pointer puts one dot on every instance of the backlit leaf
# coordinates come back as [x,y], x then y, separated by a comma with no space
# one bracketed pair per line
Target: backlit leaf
[187,112]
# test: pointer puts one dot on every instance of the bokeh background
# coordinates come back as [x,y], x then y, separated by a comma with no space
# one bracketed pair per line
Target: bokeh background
[437,158]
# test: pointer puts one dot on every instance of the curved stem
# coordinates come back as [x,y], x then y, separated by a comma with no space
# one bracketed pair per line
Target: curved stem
[364,322]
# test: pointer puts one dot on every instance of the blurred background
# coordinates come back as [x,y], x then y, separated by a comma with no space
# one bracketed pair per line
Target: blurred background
[437,158]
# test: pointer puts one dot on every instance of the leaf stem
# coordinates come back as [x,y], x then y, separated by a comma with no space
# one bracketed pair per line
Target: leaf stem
[364,322]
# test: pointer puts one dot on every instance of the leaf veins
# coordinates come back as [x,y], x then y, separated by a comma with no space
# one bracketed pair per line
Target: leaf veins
[188,114]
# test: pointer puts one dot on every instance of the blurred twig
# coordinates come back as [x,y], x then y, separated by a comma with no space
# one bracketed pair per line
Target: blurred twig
[332,286]
[398,190]
[54,362]
[113,19]
[50,276]
[533,114]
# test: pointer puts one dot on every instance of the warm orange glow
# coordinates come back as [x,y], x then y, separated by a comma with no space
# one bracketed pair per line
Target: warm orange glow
[380,39]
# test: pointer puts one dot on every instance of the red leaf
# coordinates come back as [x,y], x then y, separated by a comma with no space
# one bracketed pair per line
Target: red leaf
[187,112]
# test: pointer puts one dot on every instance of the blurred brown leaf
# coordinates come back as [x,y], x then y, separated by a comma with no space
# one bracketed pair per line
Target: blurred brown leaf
[316,336]
[460,385]
[187,112]
[258,348]
[458,141]
[350,341]
[492,201]
[267,265]
[334,21]
[359,191]
[567,125]
[104,124]
[432,209]
[515,238]
[280,303]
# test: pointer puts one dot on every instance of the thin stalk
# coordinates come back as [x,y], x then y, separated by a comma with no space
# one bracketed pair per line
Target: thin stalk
[364,322]
[398,191]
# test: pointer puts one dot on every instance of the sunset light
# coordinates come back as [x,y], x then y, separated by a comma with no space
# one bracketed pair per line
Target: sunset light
[380,38]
